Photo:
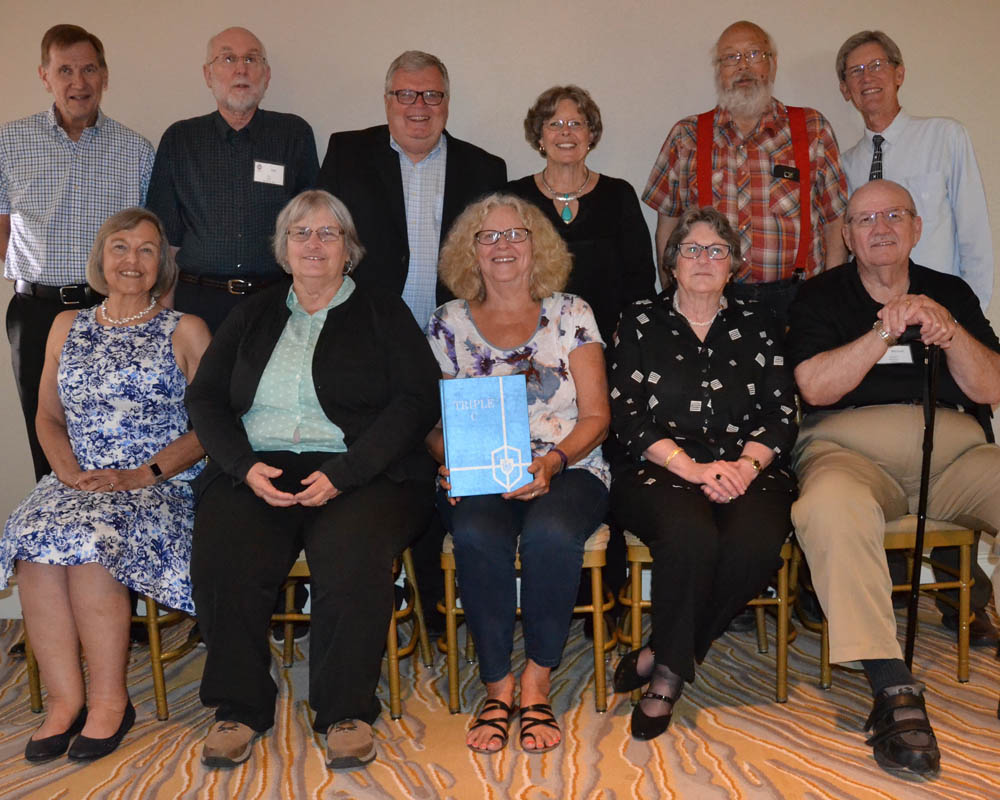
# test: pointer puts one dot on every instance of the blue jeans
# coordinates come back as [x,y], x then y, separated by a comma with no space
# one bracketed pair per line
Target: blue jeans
[552,530]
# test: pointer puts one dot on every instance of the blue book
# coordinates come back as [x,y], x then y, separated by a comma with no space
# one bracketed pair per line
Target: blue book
[487,444]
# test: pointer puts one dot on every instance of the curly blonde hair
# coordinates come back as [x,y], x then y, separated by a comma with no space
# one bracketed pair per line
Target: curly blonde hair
[458,266]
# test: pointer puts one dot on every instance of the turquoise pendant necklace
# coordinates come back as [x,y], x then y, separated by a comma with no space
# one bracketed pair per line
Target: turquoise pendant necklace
[566,197]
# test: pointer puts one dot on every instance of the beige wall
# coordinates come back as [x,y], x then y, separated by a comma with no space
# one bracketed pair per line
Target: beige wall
[646,64]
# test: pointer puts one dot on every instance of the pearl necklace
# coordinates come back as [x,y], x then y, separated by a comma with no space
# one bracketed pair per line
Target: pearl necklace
[690,321]
[125,320]
[566,197]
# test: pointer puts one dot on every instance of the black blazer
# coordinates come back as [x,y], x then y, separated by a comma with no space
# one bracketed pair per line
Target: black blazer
[363,170]
[374,373]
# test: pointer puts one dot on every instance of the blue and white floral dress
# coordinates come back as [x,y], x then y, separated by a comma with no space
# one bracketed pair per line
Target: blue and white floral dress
[123,396]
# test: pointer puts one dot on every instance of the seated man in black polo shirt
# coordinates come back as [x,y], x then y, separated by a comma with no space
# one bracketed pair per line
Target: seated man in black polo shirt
[220,180]
[858,455]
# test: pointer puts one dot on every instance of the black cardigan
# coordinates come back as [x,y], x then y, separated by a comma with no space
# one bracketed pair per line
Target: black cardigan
[375,378]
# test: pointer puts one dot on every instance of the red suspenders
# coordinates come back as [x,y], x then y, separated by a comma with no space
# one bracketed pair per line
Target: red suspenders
[800,150]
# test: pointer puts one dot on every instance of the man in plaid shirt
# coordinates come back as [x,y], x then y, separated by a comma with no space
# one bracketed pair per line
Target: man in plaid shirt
[755,175]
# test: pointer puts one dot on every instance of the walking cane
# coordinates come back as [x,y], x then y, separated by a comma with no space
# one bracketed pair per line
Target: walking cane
[932,359]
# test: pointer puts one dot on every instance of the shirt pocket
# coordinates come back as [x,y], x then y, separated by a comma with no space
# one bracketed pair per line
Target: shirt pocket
[930,193]
[784,198]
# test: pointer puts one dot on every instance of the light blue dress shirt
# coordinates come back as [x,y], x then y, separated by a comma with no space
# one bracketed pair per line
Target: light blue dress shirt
[59,192]
[933,158]
[286,413]
[423,196]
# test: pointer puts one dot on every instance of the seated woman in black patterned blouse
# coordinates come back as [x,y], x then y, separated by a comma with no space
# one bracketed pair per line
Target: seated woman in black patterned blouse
[704,404]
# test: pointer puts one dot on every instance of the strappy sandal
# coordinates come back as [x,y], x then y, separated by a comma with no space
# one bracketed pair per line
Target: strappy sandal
[548,719]
[502,724]
[891,749]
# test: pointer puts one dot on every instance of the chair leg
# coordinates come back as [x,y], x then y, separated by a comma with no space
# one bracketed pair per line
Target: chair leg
[965,579]
[635,572]
[151,619]
[825,673]
[288,646]
[781,664]
[418,609]
[451,637]
[758,612]
[34,679]
[597,604]
[392,656]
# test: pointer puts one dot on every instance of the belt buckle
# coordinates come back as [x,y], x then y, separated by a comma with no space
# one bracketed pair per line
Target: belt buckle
[64,295]
[238,286]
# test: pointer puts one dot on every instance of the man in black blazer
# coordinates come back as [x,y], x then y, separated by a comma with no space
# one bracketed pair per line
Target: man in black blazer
[405,182]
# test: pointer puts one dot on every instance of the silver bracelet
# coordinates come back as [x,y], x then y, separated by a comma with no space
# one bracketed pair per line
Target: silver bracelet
[886,337]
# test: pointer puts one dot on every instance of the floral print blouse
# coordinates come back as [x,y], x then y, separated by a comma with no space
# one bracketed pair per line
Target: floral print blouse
[564,323]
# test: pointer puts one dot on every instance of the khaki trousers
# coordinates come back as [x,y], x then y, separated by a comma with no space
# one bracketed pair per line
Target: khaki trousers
[859,468]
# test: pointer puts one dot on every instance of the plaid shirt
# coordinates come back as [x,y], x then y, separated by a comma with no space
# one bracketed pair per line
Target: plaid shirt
[58,192]
[762,208]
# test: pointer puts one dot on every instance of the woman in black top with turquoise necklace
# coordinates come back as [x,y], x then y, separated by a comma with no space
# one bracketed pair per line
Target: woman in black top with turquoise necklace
[598,216]
[703,402]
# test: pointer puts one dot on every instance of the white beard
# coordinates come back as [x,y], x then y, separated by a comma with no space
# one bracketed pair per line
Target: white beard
[751,101]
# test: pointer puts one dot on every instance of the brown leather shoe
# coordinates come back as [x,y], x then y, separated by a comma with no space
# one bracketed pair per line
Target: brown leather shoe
[350,744]
[228,744]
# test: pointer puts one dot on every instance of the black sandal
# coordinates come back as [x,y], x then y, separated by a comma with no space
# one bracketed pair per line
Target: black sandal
[891,749]
[646,727]
[548,719]
[502,724]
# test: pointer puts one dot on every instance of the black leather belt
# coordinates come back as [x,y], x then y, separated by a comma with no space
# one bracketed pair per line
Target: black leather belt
[71,295]
[236,286]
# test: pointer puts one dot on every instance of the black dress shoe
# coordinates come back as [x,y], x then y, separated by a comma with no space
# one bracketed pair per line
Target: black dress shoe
[647,727]
[627,675]
[85,748]
[981,630]
[54,746]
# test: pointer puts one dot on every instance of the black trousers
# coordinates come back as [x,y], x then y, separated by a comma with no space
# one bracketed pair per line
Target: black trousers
[243,549]
[709,558]
[28,322]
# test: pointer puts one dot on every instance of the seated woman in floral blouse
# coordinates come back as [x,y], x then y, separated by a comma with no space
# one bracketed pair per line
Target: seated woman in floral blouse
[506,263]
[704,404]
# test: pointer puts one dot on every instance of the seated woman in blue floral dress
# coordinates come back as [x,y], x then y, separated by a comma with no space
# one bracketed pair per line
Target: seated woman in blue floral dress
[506,263]
[117,510]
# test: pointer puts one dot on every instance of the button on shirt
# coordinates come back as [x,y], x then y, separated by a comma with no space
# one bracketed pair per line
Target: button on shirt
[59,192]
[203,188]
[763,209]
[933,158]
[286,413]
[423,195]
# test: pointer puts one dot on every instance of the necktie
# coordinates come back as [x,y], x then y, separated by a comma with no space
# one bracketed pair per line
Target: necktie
[876,171]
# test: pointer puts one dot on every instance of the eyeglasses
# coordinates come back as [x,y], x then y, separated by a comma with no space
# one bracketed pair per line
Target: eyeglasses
[512,235]
[872,68]
[750,56]
[893,216]
[572,124]
[230,60]
[325,235]
[716,252]
[432,97]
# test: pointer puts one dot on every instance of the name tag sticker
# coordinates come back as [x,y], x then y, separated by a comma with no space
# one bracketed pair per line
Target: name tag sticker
[265,172]
[897,354]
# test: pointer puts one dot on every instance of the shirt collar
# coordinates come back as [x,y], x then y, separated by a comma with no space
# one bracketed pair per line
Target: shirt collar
[346,290]
[225,130]
[53,120]
[440,147]
[894,130]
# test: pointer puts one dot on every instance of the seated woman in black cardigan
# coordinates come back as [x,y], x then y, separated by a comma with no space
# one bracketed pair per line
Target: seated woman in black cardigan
[312,404]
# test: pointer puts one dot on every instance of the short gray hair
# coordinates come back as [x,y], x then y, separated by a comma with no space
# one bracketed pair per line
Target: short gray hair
[413,61]
[718,222]
[302,204]
[127,220]
[892,51]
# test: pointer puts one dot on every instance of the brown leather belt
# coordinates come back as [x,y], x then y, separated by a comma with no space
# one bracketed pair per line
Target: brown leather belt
[71,295]
[238,286]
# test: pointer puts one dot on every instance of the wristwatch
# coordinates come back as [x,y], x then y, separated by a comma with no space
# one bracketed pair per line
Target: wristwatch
[753,462]
[886,337]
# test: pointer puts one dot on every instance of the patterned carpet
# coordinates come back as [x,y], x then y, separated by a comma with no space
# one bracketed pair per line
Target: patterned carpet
[728,738]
